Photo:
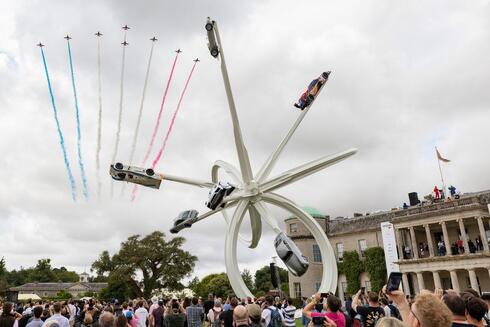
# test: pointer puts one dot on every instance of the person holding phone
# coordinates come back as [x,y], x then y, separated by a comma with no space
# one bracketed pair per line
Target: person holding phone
[369,314]
[325,313]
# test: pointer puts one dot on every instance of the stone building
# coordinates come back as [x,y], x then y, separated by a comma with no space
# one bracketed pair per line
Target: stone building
[420,232]
[52,289]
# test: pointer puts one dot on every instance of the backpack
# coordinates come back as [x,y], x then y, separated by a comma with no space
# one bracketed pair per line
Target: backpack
[276,319]
[216,318]
[395,313]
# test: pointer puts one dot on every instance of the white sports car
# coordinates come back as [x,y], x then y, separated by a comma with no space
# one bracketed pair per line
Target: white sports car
[137,175]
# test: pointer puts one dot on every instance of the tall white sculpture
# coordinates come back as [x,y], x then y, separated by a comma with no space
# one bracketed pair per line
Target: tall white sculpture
[253,193]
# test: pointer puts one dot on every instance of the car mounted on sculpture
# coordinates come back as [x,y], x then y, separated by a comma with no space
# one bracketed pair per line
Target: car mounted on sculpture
[212,44]
[217,194]
[313,88]
[184,220]
[137,175]
[290,255]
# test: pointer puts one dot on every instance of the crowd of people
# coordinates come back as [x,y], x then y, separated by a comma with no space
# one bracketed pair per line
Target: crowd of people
[365,309]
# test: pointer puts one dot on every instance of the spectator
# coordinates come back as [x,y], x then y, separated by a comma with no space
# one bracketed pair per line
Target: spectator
[254,314]
[486,297]
[208,305]
[194,314]
[157,315]
[36,320]
[214,313]
[389,322]
[304,319]
[106,319]
[141,314]
[476,309]
[458,309]
[62,321]
[471,246]
[271,314]
[240,316]
[459,244]
[8,318]
[369,314]
[227,315]
[175,316]
[288,313]
[426,311]
[132,319]
[121,321]
[384,304]
[334,312]
[87,321]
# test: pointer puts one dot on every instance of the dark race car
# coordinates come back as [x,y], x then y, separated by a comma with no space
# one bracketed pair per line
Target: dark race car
[183,220]
[217,194]
[309,95]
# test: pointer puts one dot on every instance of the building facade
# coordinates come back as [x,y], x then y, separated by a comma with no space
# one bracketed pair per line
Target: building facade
[427,237]
[52,289]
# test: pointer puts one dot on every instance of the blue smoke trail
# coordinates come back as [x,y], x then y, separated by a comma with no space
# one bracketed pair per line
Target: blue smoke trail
[79,134]
[62,141]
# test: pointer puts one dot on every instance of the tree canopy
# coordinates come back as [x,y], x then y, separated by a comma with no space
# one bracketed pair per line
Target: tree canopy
[161,263]
[263,283]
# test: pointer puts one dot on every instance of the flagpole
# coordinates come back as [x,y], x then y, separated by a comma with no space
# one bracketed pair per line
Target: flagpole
[440,171]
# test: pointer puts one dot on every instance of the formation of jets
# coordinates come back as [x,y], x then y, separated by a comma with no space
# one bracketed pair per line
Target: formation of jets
[125,27]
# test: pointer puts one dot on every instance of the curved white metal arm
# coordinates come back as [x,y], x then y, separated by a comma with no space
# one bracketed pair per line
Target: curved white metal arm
[302,171]
[230,170]
[245,167]
[268,217]
[329,276]
[231,261]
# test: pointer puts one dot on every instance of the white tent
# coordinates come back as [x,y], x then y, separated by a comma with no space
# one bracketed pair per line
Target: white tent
[28,296]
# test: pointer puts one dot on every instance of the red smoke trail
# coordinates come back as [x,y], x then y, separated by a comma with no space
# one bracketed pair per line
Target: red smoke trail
[169,131]
[157,125]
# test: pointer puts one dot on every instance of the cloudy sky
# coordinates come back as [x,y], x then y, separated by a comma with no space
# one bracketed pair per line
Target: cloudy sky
[406,77]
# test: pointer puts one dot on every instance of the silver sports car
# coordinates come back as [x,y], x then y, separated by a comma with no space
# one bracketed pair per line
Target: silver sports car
[183,220]
[137,175]
[290,255]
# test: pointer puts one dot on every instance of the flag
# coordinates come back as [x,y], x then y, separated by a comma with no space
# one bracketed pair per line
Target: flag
[439,157]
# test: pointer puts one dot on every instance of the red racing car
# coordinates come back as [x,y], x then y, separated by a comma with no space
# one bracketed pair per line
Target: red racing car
[307,98]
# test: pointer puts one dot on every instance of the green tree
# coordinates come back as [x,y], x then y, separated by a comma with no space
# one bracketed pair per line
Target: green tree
[66,276]
[217,284]
[263,283]
[63,295]
[248,279]
[42,272]
[352,267]
[376,267]
[3,277]
[163,264]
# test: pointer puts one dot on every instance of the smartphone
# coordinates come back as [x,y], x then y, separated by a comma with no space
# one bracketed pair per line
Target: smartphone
[317,318]
[363,290]
[324,295]
[394,281]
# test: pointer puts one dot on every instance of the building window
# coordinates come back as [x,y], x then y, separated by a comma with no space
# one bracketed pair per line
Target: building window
[317,286]
[317,256]
[368,285]
[362,247]
[340,251]
[297,290]
[293,228]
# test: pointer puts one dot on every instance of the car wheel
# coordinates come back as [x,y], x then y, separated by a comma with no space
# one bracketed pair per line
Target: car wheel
[209,27]
[119,166]
[150,172]
[214,52]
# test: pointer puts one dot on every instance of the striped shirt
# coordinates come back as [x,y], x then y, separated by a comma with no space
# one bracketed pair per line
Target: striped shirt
[288,314]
